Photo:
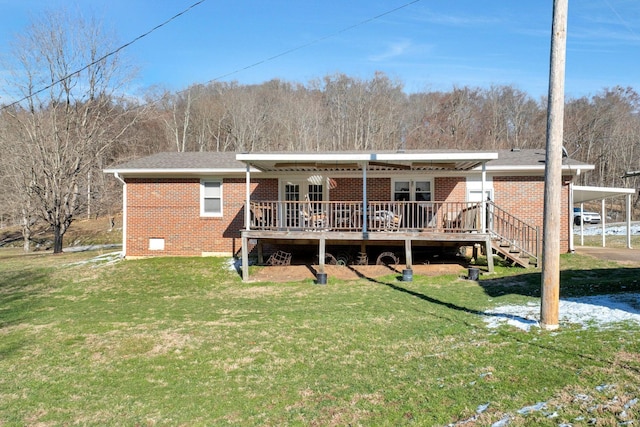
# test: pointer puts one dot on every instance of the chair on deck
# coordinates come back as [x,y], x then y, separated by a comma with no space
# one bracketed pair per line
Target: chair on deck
[260,214]
[386,220]
[313,220]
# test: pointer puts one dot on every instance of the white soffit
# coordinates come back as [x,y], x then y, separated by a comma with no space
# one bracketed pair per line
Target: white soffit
[583,194]
[354,161]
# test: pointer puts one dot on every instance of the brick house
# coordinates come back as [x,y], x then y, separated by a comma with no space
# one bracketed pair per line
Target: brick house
[222,204]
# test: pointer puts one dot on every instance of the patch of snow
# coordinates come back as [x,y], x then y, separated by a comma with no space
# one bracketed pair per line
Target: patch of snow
[503,422]
[481,408]
[600,311]
[616,229]
[104,259]
[533,408]
[235,264]
[90,247]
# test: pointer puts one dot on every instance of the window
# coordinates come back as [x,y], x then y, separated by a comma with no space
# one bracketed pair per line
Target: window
[211,197]
[412,190]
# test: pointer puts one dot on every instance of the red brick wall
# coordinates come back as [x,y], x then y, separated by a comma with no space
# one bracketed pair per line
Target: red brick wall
[523,197]
[450,189]
[169,209]
[350,189]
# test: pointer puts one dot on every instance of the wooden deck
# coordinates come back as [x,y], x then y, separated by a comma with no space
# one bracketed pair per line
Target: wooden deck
[350,223]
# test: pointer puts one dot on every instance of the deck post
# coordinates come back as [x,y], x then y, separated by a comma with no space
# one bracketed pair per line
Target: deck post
[247,197]
[321,275]
[365,218]
[489,252]
[407,251]
[260,253]
[483,208]
[407,273]
[245,258]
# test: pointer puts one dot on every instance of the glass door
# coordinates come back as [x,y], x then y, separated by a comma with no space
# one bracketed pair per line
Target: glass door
[291,207]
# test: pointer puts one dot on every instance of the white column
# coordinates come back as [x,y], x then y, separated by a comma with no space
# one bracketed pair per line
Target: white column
[483,221]
[629,221]
[572,247]
[364,197]
[604,219]
[581,224]
[247,189]
[124,213]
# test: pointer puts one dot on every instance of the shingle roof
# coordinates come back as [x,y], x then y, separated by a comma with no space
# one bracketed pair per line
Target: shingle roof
[213,161]
[527,158]
[183,161]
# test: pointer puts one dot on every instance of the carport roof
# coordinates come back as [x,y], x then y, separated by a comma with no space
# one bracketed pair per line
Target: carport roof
[582,194]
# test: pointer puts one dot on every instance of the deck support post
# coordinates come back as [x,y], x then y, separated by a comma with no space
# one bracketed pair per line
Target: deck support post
[247,198]
[245,258]
[260,253]
[321,275]
[489,253]
[407,273]
[365,202]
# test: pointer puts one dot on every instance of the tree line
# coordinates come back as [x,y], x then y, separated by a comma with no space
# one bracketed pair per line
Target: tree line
[56,142]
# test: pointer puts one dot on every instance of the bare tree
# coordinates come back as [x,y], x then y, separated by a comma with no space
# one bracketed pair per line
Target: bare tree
[61,130]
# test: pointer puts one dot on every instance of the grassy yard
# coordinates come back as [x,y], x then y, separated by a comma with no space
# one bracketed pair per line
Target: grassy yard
[182,341]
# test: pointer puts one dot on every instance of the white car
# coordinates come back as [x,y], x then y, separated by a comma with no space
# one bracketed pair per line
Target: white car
[586,217]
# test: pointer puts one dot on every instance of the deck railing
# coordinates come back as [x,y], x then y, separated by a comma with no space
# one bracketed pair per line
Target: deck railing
[379,216]
[519,235]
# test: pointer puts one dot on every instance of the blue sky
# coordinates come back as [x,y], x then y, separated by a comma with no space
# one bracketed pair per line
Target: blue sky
[428,45]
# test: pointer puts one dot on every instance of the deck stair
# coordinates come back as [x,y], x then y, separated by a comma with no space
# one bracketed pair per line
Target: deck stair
[513,239]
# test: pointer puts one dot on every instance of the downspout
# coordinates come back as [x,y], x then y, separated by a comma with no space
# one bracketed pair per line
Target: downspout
[124,213]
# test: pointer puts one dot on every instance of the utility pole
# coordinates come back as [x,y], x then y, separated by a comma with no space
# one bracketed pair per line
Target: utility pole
[549,308]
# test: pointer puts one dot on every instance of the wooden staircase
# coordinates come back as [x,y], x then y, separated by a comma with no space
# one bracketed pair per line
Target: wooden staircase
[513,239]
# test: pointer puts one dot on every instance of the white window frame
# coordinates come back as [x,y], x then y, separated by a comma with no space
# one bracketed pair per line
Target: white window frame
[202,197]
[412,186]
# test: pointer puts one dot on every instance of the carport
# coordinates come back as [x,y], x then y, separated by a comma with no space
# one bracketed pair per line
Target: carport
[582,194]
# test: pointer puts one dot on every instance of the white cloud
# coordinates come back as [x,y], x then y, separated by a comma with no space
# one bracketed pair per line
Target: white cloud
[393,50]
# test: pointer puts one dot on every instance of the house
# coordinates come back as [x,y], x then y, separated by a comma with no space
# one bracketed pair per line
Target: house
[221,203]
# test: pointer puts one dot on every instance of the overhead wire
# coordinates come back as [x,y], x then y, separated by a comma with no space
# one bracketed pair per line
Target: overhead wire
[315,41]
[102,58]
[255,64]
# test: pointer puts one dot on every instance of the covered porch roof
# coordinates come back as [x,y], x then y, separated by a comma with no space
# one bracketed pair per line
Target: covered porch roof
[351,161]
[582,194]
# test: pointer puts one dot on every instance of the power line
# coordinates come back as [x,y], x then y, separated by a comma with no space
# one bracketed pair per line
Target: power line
[625,23]
[318,40]
[113,52]
[255,64]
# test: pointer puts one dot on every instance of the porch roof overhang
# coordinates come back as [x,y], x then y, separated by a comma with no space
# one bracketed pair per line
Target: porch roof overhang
[582,194]
[352,161]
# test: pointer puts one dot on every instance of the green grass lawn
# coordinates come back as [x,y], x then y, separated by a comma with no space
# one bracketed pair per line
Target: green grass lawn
[182,341]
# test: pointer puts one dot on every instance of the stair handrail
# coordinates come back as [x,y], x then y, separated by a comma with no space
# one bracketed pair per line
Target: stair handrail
[507,227]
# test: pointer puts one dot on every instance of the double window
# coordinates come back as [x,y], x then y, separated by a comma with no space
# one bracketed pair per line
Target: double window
[211,197]
[412,190]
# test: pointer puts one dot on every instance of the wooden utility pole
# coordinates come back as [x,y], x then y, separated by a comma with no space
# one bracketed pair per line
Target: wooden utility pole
[549,308]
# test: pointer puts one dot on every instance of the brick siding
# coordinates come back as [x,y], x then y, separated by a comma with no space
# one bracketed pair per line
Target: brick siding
[523,197]
[169,209]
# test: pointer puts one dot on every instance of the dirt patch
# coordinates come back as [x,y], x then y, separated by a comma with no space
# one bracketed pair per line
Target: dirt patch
[296,273]
[622,256]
